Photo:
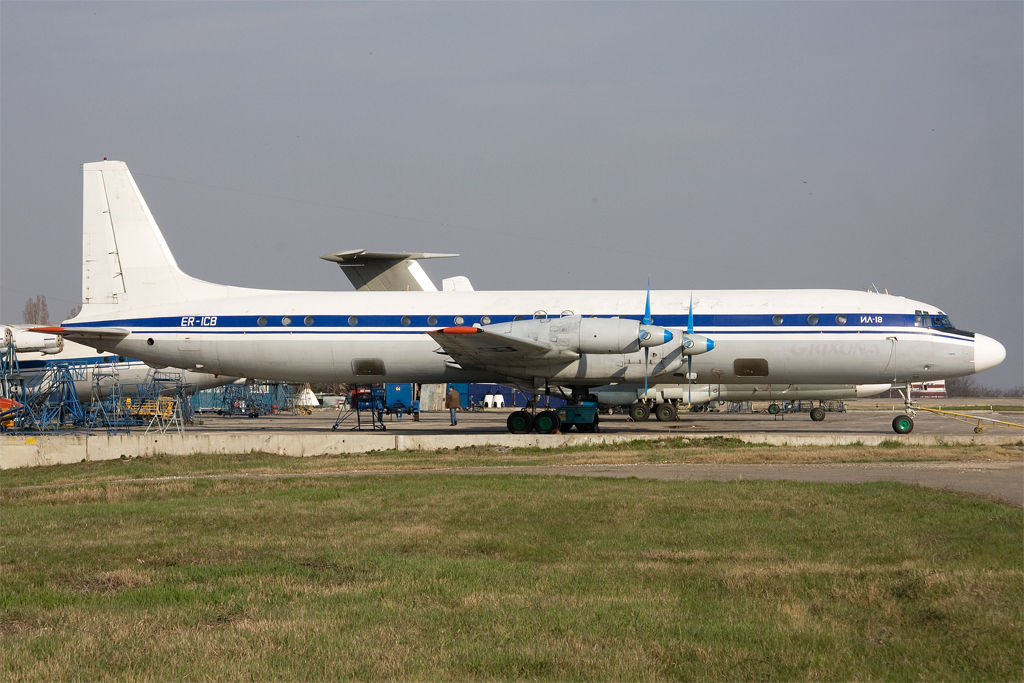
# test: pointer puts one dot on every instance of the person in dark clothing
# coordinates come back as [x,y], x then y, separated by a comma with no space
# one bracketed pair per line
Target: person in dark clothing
[451,402]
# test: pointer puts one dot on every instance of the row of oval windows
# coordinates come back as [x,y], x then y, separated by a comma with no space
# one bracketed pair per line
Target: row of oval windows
[486,320]
[811,319]
[354,320]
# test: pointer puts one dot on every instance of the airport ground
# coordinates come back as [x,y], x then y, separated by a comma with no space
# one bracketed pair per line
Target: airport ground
[395,565]
[693,549]
[928,456]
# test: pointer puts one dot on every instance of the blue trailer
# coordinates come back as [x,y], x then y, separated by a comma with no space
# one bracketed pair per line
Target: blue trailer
[398,398]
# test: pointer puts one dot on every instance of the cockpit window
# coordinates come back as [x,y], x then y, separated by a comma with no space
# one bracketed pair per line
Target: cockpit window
[941,321]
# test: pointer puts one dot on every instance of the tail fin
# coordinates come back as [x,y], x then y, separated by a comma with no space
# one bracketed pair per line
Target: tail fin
[124,256]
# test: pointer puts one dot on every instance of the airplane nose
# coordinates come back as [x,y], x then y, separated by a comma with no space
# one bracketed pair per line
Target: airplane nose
[988,353]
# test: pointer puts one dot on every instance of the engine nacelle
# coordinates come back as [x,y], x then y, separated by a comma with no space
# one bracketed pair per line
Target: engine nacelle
[25,341]
[618,335]
[588,335]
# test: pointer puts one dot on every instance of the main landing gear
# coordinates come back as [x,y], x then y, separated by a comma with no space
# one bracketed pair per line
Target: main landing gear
[581,413]
[544,422]
[817,412]
[664,412]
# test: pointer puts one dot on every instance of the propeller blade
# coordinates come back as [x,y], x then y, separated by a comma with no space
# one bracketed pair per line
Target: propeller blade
[647,320]
[647,305]
[647,352]
[689,317]
[689,382]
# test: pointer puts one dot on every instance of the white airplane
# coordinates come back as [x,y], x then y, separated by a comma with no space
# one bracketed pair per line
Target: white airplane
[137,302]
[95,373]
[402,272]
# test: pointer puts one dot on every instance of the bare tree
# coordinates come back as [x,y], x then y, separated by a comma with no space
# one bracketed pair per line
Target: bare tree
[75,311]
[36,312]
[962,386]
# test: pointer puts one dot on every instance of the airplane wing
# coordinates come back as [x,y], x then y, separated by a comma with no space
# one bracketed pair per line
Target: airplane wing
[473,347]
[86,335]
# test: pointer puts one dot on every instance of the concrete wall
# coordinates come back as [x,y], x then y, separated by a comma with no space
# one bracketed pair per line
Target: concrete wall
[29,451]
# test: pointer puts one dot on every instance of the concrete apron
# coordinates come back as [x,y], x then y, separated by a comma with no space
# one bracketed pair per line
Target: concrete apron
[30,451]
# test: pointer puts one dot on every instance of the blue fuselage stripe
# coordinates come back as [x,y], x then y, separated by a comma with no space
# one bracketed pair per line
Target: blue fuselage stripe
[710,325]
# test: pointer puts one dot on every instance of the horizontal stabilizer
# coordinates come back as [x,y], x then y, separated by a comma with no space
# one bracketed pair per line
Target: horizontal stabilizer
[86,335]
[375,271]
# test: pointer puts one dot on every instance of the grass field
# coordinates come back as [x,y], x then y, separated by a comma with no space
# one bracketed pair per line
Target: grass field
[715,449]
[425,577]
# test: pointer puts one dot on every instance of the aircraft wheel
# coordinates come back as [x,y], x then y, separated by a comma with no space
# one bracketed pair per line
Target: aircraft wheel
[520,422]
[773,409]
[639,411]
[546,422]
[818,414]
[903,424]
[665,412]
[979,430]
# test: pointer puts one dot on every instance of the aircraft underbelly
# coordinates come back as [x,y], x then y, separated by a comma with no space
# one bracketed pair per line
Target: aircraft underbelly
[381,357]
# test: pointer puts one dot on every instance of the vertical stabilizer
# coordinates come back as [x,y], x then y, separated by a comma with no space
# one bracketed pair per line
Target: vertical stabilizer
[124,254]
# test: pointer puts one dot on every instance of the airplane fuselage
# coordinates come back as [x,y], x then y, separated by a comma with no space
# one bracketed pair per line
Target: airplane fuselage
[761,336]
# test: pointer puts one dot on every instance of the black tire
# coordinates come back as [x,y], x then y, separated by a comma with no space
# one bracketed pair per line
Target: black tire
[665,412]
[903,424]
[818,414]
[519,422]
[639,411]
[773,409]
[546,422]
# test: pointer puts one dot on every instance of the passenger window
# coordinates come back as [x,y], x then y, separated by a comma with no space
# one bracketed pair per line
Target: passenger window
[353,320]
[777,320]
[307,321]
[459,320]
[485,320]
[261,321]
[432,320]
[406,320]
[286,321]
[812,319]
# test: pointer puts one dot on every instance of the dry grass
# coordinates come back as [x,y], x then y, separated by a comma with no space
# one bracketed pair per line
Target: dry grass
[505,577]
[120,473]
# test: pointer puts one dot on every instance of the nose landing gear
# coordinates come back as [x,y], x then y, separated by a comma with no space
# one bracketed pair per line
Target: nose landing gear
[903,424]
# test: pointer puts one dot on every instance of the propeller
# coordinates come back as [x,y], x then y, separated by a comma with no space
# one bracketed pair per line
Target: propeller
[689,358]
[692,345]
[649,335]
[644,334]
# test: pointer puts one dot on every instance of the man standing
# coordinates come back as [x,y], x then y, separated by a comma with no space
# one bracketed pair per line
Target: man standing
[451,402]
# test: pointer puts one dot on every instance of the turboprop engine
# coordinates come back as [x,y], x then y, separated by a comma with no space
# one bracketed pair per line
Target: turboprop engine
[599,335]
[25,341]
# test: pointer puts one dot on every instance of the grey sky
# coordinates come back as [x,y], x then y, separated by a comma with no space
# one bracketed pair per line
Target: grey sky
[563,145]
